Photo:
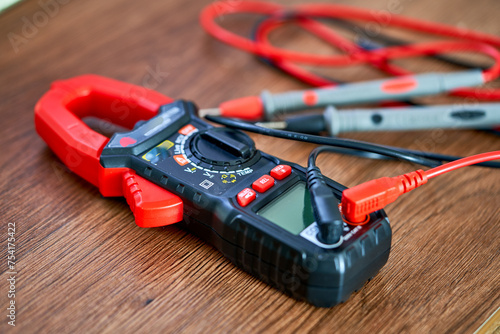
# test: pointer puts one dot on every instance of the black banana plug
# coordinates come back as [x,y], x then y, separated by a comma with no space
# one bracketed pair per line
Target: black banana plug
[325,207]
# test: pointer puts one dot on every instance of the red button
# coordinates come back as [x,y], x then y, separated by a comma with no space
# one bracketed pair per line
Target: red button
[281,171]
[263,183]
[246,196]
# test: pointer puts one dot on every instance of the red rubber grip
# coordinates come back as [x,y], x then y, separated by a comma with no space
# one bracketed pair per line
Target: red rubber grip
[368,197]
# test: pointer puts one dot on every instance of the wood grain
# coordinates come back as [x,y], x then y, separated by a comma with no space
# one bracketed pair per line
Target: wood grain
[83,265]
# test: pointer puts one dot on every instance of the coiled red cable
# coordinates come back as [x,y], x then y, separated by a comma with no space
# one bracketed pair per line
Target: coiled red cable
[457,40]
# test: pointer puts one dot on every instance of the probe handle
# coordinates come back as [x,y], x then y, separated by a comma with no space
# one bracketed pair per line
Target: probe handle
[400,88]
[485,115]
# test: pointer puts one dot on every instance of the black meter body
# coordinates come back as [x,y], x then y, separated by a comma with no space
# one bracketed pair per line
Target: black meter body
[263,224]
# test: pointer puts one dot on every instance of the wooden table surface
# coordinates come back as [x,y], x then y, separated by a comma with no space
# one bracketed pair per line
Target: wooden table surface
[84,266]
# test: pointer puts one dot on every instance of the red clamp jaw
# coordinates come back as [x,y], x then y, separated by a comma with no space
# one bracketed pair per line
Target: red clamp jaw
[58,120]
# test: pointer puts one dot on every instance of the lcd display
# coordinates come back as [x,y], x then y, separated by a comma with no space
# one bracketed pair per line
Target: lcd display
[291,210]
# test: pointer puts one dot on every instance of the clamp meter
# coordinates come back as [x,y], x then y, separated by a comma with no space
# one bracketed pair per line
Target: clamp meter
[251,206]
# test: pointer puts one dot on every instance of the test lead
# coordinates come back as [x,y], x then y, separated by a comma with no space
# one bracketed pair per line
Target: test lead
[430,159]
[478,116]
[309,17]
[368,197]
[324,203]
[311,123]
[267,105]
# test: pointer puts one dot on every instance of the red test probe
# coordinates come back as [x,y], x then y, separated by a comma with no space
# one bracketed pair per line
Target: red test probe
[363,199]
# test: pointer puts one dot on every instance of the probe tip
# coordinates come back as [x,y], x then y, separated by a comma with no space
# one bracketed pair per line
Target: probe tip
[209,111]
[273,125]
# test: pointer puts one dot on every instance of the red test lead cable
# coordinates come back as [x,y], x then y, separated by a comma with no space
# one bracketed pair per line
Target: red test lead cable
[267,105]
[363,199]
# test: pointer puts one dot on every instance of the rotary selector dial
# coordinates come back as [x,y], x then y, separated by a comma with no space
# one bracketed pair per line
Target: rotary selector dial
[221,149]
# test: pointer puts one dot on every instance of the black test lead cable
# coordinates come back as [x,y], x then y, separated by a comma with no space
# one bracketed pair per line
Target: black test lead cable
[349,146]
[338,142]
